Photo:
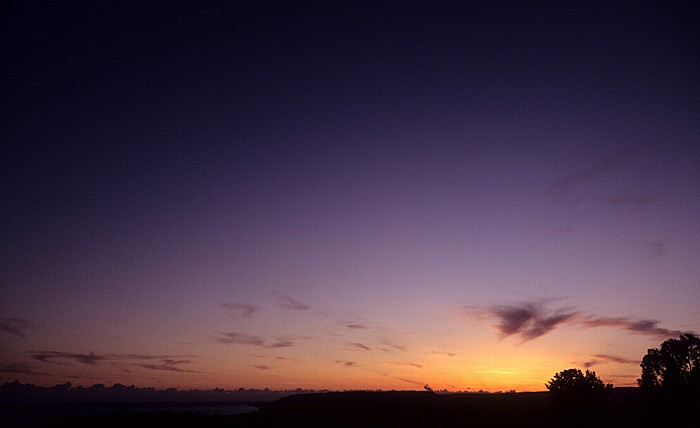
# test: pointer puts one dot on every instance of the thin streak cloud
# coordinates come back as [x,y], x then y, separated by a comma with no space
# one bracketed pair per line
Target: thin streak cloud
[447,354]
[418,366]
[239,311]
[281,342]
[169,365]
[354,325]
[20,368]
[292,304]
[262,367]
[61,358]
[604,359]
[411,381]
[360,346]
[15,326]
[253,340]
[240,339]
[643,326]
[393,345]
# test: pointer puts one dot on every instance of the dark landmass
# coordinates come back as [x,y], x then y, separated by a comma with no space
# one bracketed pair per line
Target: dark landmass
[625,407]
[17,392]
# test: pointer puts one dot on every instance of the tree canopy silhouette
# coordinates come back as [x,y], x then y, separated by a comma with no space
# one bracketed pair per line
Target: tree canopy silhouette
[674,367]
[576,384]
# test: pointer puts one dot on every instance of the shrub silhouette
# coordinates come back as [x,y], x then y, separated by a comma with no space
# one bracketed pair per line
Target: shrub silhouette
[575,385]
[674,368]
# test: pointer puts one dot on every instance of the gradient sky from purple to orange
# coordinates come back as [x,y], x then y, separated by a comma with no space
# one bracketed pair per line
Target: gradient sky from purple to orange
[341,196]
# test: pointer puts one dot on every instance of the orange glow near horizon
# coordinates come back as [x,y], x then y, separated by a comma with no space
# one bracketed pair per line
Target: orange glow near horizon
[353,363]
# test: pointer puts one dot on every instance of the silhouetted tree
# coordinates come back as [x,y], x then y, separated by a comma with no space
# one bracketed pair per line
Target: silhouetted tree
[674,367]
[574,384]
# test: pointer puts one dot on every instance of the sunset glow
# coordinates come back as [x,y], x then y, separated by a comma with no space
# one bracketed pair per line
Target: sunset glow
[340,195]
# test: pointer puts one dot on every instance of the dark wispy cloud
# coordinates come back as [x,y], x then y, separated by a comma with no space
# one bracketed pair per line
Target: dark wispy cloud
[643,326]
[59,357]
[289,303]
[62,357]
[240,339]
[279,358]
[281,342]
[531,320]
[448,354]
[347,363]
[170,365]
[359,345]
[254,340]
[604,359]
[418,366]
[411,381]
[354,325]
[262,367]
[239,311]
[20,368]
[15,326]
[394,345]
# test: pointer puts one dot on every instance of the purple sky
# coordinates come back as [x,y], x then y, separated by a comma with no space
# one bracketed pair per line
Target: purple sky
[359,195]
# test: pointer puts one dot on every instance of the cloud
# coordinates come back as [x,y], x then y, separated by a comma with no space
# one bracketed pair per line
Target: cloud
[58,357]
[253,340]
[354,325]
[90,358]
[528,320]
[286,359]
[411,381]
[289,303]
[262,367]
[239,311]
[15,326]
[394,345]
[448,354]
[603,359]
[170,365]
[347,363]
[240,339]
[531,320]
[21,368]
[279,358]
[359,345]
[643,326]
[418,366]
[281,342]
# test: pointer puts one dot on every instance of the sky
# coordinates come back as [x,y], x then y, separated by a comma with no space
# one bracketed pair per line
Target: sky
[346,195]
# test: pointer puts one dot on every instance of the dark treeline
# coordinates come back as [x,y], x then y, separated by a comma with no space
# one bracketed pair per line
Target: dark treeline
[624,408]
[19,392]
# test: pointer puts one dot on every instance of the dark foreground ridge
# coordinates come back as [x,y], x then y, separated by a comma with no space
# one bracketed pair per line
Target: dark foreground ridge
[625,408]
